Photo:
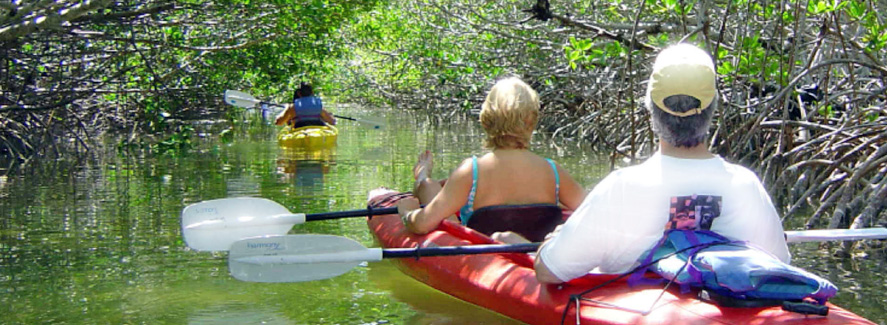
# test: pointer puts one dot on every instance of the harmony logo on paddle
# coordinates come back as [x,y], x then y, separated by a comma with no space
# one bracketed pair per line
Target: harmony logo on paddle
[271,246]
[206,210]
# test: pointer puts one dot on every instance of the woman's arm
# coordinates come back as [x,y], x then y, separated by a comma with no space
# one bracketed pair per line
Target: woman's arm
[288,113]
[445,204]
[327,117]
[572,194]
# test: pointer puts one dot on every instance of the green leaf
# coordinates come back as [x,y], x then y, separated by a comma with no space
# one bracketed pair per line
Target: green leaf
[574,55]
[826,111]
[856,9]
[726,67]
[573,42]
[670,4]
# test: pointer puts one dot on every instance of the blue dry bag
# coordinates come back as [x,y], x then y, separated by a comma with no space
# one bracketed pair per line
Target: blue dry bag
[702,259]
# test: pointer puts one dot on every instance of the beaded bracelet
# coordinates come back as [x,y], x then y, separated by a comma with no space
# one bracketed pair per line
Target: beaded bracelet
[406,217]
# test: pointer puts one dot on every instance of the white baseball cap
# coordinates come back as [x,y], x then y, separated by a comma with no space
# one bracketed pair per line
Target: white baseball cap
[683,69]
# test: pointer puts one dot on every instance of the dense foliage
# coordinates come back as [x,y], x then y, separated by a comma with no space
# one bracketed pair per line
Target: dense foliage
[71,68]
[802,80]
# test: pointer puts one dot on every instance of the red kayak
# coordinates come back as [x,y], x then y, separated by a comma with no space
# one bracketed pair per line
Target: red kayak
[506,283]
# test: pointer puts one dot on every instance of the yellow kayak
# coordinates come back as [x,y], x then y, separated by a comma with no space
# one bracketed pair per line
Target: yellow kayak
[308,137]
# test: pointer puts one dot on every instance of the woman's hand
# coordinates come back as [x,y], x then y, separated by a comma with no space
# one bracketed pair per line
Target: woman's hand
[408,208]
[407,204]
[509,237]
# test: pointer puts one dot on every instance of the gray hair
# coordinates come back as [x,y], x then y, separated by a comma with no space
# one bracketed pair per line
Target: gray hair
[688,131]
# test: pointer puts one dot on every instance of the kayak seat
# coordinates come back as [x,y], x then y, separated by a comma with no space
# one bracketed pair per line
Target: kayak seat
[533,221]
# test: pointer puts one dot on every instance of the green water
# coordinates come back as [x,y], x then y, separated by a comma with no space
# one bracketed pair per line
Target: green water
[98,241]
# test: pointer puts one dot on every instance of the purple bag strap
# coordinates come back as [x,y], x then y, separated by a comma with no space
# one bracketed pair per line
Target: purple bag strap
[637,278]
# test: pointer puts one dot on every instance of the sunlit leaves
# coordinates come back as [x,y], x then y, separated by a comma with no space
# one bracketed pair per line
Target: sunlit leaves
[751,61]
[856,9]
[875,40]
[309,46]
[679,7]
[173,34]
[576,52]
[613,13]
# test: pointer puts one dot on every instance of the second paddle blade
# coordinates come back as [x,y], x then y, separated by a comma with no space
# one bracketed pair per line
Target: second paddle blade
[296,258]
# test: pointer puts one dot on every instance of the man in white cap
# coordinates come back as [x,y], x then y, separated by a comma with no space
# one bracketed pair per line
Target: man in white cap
[682,186]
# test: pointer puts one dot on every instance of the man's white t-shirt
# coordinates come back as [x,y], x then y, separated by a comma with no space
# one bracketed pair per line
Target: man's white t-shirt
[627,213]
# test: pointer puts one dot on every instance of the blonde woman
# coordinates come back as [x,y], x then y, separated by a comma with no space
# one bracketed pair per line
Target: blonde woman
[509,193]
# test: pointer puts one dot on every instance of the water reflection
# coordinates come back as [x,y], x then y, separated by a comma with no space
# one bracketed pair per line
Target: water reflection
[236,314]
[433,306]
[98,241]
[305,168]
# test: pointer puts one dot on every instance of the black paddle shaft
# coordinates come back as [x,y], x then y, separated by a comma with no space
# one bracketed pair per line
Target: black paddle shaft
[273,104]
[349,214]
[459,250]
[345,117]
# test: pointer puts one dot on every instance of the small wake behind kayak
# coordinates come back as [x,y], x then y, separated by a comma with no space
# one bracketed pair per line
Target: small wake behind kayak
[308,137]
[506,283]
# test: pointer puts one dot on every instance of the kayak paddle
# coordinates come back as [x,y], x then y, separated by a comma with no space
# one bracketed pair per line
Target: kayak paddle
[801,236]
[299,258]
[369,123]
[242,99]
[213,225]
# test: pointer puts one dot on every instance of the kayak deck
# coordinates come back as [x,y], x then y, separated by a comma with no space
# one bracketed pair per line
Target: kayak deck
[308,137]
[506,283]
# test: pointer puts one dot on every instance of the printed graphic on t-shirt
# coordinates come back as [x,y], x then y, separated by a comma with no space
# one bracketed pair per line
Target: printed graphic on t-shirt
[693,212]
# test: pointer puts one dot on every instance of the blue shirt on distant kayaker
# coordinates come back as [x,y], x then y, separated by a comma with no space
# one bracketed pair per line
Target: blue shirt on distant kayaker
[683,186]
[306,110]
[508,193]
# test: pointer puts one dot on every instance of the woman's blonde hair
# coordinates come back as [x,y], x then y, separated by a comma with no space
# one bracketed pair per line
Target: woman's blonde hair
[509,114]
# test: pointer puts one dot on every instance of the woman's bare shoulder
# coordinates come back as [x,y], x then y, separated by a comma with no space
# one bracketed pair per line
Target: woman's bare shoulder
[463,171]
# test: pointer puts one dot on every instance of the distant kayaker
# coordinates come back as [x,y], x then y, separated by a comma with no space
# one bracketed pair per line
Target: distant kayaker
[306,110]
[682,186]
[508,189]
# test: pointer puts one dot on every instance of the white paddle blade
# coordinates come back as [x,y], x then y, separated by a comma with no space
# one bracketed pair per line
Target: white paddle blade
[296,258]
[369,122]
[835,234]
[240,99]
[214,225]
[372,123]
